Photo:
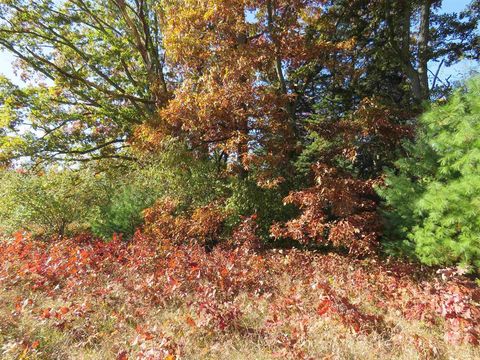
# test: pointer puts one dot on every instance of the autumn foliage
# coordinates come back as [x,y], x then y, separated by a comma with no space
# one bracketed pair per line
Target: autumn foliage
[338,210]
[216,289]
[202,179]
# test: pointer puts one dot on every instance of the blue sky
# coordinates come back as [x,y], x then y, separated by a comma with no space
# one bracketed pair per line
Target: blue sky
[457,71]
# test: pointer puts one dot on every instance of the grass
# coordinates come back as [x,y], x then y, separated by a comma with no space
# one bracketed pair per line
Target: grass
[228,304]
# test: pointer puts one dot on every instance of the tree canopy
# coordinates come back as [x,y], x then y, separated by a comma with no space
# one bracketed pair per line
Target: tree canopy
[240,76]
[98,70]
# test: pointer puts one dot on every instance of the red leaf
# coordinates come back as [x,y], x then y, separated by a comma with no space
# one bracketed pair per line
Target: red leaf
[63,310]
[324,306]
[122,355]
[356,327]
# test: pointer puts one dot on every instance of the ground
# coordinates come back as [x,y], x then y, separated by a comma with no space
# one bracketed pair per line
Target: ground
[83,298]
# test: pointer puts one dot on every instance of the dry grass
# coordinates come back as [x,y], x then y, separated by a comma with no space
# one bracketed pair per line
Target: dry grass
[101,338]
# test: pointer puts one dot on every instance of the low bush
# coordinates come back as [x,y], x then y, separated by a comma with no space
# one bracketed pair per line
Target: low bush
[54,202]
[173,173]
[82,297]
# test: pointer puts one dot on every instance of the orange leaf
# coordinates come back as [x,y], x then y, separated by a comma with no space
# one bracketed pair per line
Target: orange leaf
[172,263]
[224,272]
[191,322]
[63,310]
[46,313]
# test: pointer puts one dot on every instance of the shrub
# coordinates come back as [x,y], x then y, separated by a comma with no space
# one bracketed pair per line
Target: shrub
[51,203]
[173,173]
[246,199]
[176,174]
[339,210]
[165,223]
[122,214]
[432,197]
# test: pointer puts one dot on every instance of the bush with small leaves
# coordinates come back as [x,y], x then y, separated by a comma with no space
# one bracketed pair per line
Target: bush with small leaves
[54,202]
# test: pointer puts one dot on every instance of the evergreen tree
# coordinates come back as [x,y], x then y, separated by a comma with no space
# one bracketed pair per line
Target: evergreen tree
[433,195]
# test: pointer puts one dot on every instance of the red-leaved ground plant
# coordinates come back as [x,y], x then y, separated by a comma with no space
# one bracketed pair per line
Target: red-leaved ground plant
[84,276]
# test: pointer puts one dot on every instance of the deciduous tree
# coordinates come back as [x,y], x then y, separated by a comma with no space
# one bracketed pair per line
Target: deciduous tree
[103,70]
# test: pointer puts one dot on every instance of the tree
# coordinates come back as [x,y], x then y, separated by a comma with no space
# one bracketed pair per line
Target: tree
[361,111]
[432,196]
[244,76]
[240,92]
[443,38]
[103,70]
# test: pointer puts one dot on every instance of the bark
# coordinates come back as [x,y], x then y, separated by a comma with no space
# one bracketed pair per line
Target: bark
[410,70]
[423,39]
[415,68]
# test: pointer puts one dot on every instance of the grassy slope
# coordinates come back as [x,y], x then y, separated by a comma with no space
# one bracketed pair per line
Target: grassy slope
[81,299]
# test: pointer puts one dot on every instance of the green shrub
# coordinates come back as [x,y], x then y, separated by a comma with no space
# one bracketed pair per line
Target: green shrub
[123,213]
[173,173]
[113,199]
[433,196]
[105,201]
[247,198]
[193,182]
[55,202]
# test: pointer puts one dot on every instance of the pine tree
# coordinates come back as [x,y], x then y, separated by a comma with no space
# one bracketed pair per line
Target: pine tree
[433,195]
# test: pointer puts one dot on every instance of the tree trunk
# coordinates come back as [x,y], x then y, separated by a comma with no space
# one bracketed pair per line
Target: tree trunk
[423,39]
[415,67]
[410,70]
